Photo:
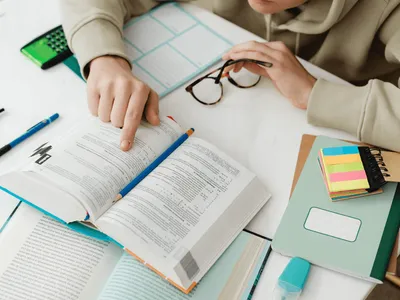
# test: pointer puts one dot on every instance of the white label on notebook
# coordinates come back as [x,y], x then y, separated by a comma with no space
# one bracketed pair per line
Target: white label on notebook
[332,224]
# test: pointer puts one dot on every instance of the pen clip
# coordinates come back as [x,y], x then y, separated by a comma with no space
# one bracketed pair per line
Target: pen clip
[35,125]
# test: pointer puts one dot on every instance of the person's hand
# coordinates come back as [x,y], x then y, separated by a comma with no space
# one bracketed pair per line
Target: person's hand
[115,95]
[286,73]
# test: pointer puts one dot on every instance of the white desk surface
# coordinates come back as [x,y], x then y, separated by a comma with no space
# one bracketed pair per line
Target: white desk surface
[258,127]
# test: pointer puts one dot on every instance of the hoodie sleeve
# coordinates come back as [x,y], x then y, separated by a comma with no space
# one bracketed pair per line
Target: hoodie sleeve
[370,112]
[94,27]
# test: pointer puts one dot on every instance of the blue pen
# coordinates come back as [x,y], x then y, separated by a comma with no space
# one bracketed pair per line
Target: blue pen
[31,131]
[154,164]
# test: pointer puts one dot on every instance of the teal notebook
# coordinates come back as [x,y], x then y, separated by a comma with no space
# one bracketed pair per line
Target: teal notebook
[354,237]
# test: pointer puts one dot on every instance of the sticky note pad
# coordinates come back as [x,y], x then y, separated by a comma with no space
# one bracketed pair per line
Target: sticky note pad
[343,172]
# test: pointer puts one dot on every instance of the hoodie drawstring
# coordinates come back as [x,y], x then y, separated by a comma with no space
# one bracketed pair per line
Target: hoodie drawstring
[297,45]
[269,22]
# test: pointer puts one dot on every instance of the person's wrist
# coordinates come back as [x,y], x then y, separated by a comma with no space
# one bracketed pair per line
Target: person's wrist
[108,59]
[304,95]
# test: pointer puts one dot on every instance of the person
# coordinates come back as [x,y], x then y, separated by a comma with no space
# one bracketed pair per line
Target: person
[357,40]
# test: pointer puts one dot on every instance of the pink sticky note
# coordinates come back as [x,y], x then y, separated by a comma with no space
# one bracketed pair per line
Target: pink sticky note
[346,176]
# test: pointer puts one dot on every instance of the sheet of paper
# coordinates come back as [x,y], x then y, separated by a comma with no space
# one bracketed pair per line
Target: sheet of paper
[43,259]
[173,207]
[180,47]
[90,165]
[7,206]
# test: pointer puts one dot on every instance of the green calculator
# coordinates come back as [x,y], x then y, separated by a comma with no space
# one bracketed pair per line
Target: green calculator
[48,49]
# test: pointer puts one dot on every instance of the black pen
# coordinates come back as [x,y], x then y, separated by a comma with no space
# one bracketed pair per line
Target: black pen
[1,110]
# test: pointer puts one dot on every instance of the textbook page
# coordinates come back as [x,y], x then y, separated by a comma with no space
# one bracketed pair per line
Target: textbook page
[168,212]
[180,47]
[44,259]
[90,166]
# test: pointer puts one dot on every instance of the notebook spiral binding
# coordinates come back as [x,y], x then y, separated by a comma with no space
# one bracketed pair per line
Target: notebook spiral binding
[377,154]
[374,167]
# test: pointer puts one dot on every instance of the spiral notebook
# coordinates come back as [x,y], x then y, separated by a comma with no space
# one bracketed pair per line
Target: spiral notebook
[355,171]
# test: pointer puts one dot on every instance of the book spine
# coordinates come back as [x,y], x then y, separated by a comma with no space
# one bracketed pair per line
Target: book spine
[264,262]
[388,239]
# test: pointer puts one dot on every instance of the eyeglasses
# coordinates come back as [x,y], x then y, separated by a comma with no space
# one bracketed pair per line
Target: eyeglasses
[208,90]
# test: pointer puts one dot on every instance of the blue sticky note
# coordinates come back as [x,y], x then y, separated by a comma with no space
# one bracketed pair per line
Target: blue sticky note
[332,151]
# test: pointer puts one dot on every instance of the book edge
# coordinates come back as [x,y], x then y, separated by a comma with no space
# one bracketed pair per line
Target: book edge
[388,239]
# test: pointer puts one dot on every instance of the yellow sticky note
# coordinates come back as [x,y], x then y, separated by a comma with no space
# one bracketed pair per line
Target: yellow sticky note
[342,159]
[348,185]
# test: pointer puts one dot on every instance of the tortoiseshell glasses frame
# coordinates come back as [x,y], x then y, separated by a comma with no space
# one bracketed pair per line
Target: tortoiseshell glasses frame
[221,74]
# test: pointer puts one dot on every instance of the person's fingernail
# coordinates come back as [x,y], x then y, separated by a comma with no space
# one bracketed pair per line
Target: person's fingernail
[125,145]
[155,119]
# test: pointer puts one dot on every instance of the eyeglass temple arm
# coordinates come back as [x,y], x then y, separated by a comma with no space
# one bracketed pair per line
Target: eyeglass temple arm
[231,62]
[190,87]
[221,72]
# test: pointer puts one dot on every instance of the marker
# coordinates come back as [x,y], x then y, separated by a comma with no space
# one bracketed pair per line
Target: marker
[154,164]
[31,131]
[1,110]
[292,280]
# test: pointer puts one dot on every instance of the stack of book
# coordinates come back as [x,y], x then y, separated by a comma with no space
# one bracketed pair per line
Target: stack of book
[178,231]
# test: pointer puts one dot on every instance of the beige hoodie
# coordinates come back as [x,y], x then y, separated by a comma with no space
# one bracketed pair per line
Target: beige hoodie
[357,40]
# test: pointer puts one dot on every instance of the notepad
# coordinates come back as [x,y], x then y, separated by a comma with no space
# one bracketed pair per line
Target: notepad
[167,47]
[352,171]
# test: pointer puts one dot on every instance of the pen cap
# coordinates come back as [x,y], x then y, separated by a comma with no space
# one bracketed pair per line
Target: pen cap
[292,280]
[54,117]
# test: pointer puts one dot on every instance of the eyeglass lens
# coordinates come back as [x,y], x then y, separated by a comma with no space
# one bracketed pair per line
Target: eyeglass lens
[209,92]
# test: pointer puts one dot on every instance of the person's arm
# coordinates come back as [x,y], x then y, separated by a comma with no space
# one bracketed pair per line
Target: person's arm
[94,33]
[371,112]
[94,27]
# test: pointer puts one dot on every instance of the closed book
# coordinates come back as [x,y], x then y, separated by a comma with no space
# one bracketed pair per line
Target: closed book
[353,237]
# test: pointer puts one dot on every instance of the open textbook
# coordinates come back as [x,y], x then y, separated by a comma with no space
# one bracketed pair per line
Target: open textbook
[43,259]
[177,221]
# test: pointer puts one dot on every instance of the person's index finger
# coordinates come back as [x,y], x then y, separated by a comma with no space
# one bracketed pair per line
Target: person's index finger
[133,117]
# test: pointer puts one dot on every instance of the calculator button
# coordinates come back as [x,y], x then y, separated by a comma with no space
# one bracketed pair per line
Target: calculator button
[48,36]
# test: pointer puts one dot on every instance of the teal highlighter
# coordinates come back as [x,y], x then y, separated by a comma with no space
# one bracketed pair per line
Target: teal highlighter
[292,280]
